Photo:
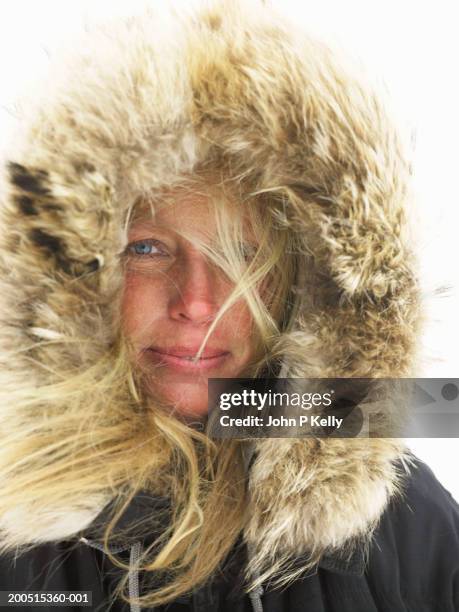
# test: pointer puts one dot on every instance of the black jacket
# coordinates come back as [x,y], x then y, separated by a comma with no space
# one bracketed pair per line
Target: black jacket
[413,566]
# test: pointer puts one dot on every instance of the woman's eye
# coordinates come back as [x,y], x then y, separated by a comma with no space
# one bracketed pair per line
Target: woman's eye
[148,255]
[249,250]
[147,247]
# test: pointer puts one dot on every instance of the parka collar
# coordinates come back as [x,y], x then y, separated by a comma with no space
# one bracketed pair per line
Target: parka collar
[143,505]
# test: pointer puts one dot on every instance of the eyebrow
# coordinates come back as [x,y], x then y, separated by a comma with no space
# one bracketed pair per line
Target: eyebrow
[145,221]
[149,224]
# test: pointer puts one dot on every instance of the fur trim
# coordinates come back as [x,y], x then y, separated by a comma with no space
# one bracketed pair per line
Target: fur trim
[147,100]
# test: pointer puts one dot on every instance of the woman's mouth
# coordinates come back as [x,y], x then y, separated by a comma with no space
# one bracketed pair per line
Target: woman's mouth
[188,362]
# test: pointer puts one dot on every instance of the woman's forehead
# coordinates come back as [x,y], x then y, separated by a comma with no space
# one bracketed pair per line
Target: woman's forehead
[181,208]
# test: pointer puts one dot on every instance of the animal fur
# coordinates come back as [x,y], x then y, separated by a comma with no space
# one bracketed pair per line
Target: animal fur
[145,101]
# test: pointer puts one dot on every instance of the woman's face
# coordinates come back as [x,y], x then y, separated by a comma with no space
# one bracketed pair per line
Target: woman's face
[171,295]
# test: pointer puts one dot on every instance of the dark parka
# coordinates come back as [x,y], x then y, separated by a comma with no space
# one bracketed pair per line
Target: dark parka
[142,103]
[412,566]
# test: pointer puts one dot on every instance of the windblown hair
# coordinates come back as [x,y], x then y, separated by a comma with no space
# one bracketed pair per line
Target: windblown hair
[204,478]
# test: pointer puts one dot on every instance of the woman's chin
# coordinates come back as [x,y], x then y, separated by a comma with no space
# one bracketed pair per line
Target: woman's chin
[187,402]
[187,395]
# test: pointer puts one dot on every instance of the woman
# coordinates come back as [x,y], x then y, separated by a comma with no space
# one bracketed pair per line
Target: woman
[216,187]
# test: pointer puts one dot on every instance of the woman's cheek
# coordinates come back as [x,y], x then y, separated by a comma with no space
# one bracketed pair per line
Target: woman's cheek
[139,304]
[241,328]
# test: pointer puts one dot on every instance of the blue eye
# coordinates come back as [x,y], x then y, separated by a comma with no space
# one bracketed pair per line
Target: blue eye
[144,247]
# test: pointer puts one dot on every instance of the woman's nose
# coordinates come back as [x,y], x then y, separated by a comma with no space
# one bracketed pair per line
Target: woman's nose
[197,291]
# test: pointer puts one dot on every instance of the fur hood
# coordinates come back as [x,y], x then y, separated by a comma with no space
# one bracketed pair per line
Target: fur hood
[144,101]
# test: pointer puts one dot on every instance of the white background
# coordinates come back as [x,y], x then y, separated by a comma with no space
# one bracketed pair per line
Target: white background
[410,46]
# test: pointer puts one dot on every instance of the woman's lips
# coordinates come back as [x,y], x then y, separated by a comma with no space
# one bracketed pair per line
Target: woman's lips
[182,363]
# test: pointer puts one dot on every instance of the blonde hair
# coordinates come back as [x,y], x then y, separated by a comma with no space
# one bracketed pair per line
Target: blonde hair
[204,478]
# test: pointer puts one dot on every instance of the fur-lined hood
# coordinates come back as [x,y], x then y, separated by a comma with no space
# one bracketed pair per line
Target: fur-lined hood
[143,103]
